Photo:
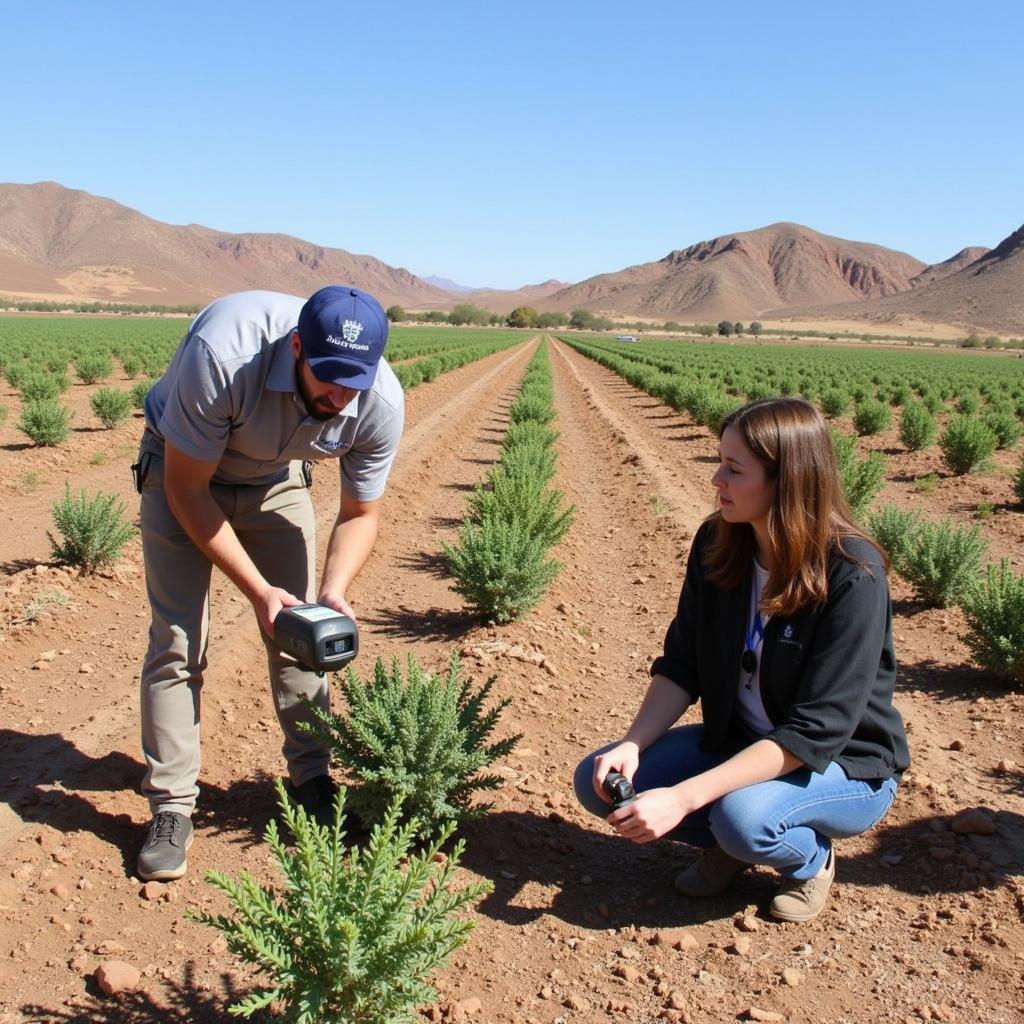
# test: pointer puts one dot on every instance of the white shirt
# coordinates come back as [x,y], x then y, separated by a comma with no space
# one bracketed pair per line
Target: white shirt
[749,705]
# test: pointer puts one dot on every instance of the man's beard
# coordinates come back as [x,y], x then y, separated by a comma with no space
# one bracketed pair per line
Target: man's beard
[318,408]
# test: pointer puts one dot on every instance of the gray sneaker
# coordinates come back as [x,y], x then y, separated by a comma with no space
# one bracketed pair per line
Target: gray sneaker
[316,797]
[162,857]
[710,874]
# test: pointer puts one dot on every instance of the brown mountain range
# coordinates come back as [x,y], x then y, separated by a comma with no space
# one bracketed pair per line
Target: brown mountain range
[62,243]
[742,275]
[986,293]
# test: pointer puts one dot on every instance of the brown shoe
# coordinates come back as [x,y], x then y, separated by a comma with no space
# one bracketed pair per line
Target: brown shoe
[710,874]
[804,900]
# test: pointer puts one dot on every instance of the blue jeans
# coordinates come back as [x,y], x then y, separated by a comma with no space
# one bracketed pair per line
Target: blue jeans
[787,823]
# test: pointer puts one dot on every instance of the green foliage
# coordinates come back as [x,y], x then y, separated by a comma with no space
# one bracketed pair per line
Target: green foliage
[551,319]
[871,417]
[917,427]
[995,623]
[46,423]
[41,387]
[524,497]
[895,530]
[533,407]
[756,327]
[1018,479]
[90,369]
[968,403]
[395,314]
[3,414]
[467,313]
[943,562]
[501,570]
[585,320]
[835,402]
[971,341]
[418,742]
[862,478]
[726,328]
[926,484]
[1005,425]
[967,443]
[139,391]
[522,316]
[355,934]
[93,530]
[131,364]
[111,406]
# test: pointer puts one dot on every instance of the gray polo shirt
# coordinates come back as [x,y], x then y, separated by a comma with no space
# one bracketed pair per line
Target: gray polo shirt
[230,395]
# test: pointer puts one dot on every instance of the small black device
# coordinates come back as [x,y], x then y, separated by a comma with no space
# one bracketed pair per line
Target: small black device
[318,637]
[619,789]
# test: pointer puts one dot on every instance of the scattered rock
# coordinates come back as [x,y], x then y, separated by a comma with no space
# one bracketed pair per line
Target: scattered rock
[756,1013]
[153,891]
[748,923]
[60,891]
[1005,766]
[575,1002]
[674,938]
[627,973]
[546,992]
[86,668]
[739,946]
[466,1008]
[115,977]
[973,820]
[676,1000]
[956,745]
[791,977]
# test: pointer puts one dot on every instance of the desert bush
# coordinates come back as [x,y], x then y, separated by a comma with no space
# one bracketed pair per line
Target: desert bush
[966,443]
[111,406]
[527,499]
[355,934]
[15,373]
[862,478]
[995,623]
[1005,425]
[835,402]
[93,530]
[3,414]
[139,390]
[42,387]
[535,407]
[419,741]
[1018,479]
[716,409]
[131,364]
[917,426]
[968,403]
[943,562]
[90,369]
[895,530]
[46,423]
[499,569]
[932,402]
[871,417]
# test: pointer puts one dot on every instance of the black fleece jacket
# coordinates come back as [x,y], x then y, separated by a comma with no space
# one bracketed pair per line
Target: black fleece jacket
[827,672]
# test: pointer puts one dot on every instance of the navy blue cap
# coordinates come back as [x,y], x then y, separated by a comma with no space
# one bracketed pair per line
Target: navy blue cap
[343,332]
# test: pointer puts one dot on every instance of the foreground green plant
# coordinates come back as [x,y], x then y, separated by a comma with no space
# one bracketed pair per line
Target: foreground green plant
[355,934]
[917,427]
[862,478]
[895,529]
[995,623]
[90,369]
[1018,481]
[943,562]
[93,530]
[417,740]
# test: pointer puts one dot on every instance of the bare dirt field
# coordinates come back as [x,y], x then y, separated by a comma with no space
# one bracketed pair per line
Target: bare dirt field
[925,922]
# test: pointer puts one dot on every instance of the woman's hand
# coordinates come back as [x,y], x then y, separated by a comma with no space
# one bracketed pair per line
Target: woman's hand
[655,812]
[623,758]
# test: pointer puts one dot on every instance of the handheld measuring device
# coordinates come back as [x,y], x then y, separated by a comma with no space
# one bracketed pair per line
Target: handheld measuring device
[318,637]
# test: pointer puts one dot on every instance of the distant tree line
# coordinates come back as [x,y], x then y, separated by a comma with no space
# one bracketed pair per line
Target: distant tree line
[54,306]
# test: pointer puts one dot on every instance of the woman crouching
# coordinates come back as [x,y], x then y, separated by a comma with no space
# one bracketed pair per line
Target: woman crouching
[784,635]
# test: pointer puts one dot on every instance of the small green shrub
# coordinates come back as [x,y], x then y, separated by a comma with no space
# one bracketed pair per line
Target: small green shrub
[3,414]
[1018,481]
[862,478]
[926,484]
[716,409]
[355,934]
[418,741]
[93,368]
[41,387]
[895,529]
[533,407]
[93,530]
[500,570]
[139,390]
[871,417]
[527,499]
[968,403]
[943,563]
[917,426]
[46,423]
[966,443]
[1005,425]
[995,623]
[835,402]
[111,406]
[131,364]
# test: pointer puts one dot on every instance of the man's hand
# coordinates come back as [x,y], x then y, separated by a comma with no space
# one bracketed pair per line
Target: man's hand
[654,813]
[338,603]
[269,603]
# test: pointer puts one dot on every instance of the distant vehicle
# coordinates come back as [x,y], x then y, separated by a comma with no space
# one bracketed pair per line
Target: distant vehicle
[626,337]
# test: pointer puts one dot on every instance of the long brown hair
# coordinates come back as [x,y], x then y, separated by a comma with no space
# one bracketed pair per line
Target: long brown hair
[809,515]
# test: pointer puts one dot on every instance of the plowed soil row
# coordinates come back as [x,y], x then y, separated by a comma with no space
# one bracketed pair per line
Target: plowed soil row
[923,923]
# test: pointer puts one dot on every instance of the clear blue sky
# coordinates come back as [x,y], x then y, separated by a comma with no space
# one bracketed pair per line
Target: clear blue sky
[507,143]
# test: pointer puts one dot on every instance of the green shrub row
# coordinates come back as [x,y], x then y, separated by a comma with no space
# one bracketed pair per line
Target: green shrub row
[501,562]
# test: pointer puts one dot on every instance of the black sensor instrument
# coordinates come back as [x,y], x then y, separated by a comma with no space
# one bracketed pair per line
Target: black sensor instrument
[619,789]
[318,637]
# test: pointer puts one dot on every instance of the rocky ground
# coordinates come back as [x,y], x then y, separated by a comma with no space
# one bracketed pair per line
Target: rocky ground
[926,920]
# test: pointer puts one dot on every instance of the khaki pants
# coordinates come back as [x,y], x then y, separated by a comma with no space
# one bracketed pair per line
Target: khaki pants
[275,524]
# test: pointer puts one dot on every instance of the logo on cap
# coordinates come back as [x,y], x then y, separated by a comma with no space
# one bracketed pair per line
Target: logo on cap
[351,329]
